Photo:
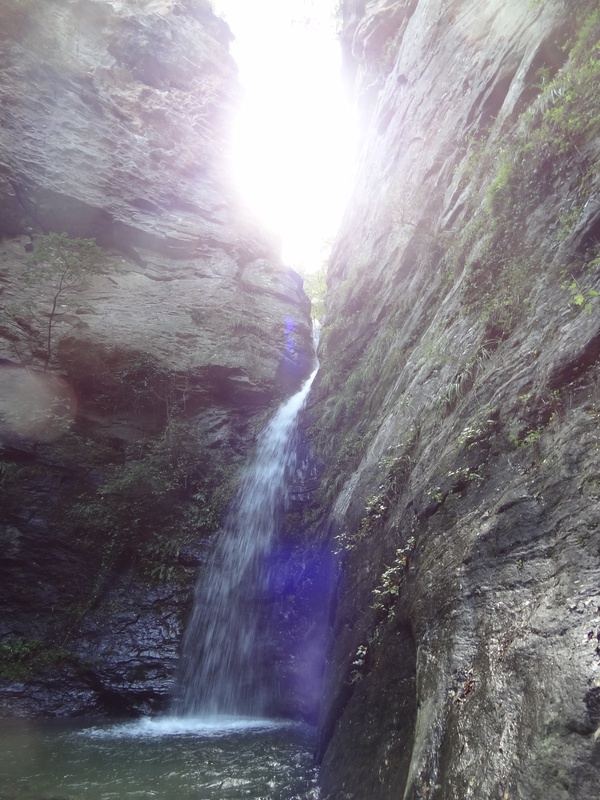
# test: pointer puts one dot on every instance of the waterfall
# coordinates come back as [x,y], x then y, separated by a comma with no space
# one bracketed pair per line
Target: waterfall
[226,637]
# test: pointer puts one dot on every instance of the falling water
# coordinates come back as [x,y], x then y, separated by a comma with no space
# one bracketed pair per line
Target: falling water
[222,670]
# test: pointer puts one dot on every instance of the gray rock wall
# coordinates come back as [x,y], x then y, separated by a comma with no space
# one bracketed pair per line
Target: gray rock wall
[456,409]
[120,441]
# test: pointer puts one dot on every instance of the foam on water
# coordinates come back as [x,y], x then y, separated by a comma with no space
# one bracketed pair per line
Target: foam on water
[156,727]
[164,759]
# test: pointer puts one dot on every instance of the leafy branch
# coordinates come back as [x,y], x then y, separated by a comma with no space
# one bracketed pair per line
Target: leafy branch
[58,267]
[581,296]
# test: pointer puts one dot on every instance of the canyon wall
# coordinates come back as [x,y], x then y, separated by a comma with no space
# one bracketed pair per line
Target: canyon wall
[130,392]
[457,408]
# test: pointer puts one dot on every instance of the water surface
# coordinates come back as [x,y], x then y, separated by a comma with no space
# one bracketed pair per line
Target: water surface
[166,759]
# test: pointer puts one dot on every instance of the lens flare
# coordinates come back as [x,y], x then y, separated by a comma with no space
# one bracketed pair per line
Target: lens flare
[34,405]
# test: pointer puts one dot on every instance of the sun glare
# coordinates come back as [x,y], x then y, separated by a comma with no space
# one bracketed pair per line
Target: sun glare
[295,133]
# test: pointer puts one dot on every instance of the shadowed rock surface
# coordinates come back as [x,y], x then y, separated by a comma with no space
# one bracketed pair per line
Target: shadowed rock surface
[119,458]
[457,409]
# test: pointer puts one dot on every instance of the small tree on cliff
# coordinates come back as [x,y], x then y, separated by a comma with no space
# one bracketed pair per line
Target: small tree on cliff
[315,286]
[57,269]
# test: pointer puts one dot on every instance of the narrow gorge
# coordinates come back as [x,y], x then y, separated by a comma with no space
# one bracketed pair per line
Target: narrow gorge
[435,606]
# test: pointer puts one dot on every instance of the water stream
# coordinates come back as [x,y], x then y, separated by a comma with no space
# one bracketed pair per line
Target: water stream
[223,669]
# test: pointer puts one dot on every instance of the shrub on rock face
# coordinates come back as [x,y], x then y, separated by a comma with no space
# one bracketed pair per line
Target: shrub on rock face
[56,271]
[160,497]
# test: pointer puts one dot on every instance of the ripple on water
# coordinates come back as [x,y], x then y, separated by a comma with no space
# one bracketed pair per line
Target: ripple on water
[162,759]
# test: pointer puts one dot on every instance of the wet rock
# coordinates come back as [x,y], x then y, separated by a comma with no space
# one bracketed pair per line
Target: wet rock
[455,411]
[116,121]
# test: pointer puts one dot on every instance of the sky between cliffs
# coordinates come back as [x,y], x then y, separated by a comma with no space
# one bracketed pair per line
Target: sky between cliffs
[295,133]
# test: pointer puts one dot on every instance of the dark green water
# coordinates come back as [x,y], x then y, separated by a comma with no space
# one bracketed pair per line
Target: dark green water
[167,759]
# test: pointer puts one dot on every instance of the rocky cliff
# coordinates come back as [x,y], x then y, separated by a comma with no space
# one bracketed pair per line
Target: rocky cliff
[457,408]
[129,390]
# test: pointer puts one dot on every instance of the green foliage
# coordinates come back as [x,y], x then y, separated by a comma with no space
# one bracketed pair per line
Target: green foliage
[500,185]
[355,389]
[315,286]
[376,507]
[9,476]
[479,430]
[567,223]
[499,261]
[571,115]
[359,663]
[581,297]
[388,588]
[456,481]
[20,658]
[499,278]
[462,474]
[470,435]
[67,258]
[164,495]
[122,380]
[527,439]
[466,376]
[436,494]
[379,506]
[57,269]
[342,461]
[519,173]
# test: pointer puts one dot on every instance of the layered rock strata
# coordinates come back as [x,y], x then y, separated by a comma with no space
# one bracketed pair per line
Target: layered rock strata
[460,380]
[127,404]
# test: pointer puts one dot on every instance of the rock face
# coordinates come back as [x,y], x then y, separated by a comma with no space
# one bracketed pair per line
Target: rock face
[125,405]
[457,409]
[115,127]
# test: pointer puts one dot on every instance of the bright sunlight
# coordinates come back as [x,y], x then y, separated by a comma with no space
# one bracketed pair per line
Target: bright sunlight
[295,134]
